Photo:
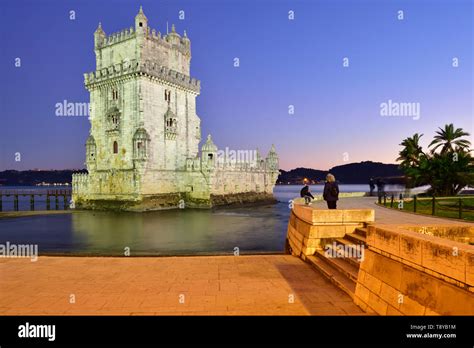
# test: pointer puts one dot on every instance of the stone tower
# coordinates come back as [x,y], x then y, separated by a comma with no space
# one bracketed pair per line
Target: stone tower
[143,148]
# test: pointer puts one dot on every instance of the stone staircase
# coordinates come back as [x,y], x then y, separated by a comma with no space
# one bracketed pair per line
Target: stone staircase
[342,271]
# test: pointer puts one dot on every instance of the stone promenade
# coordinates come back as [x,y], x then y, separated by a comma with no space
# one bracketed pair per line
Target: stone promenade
[201,285]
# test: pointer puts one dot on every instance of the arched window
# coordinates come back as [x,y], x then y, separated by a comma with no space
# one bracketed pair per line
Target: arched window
[115,147]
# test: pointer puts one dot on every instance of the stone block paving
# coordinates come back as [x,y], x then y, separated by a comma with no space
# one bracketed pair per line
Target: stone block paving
[201,285]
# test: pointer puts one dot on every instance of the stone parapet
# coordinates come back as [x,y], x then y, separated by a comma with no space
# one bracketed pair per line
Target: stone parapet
[333,216]
[412,273]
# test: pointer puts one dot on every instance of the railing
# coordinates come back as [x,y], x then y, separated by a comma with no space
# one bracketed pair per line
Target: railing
[461,207]
[54,194]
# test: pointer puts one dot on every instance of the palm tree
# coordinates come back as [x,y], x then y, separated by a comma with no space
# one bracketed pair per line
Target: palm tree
[447,171]
[412,151]
[450,140]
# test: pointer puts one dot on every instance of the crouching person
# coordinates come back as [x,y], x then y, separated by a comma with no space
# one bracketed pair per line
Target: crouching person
[306,194]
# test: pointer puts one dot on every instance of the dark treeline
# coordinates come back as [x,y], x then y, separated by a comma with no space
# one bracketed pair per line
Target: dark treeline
[352,173]
[34,177]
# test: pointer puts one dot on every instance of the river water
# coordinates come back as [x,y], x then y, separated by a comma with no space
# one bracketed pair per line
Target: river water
[260,229]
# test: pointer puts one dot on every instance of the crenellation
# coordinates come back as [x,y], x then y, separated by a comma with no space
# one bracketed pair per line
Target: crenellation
[151,68]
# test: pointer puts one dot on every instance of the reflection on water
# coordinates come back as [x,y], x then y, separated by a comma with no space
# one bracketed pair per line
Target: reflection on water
[260,229]
[173,232]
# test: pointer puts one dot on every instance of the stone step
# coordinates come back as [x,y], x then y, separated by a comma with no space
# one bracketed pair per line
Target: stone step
[355,238]
[354,261]
[336,277]
[340,263]
[361,231]
[349,244]
[344,241]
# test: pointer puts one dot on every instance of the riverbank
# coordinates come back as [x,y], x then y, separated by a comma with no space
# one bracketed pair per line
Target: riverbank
[18,214]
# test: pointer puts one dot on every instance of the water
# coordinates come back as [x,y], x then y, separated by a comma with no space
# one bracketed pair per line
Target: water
[259,229]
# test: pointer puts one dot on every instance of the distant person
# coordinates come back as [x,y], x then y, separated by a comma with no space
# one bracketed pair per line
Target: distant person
[372,186]
[331,191]
[306,194]
[380,187]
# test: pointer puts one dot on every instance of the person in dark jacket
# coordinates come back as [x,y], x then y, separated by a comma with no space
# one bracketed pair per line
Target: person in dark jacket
[331,191]
[306,194]
[372,186]
[380,187]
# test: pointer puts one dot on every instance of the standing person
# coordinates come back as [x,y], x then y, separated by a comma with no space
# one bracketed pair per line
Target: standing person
[306,194]
[380,187]
[331,191]
[372,186]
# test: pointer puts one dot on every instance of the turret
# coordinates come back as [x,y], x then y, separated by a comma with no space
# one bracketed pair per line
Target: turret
[173,37]
[91,154]
[209,153]
[272,160]
[99,36]
[141,23]
[259,161]
[185,41]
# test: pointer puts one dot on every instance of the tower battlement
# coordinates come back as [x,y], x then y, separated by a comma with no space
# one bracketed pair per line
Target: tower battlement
[182,45]
[143,43]
[116,37]
[150,68]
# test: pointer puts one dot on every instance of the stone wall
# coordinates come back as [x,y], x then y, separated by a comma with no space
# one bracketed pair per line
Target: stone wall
[310,229]
[410,273]
[244,198]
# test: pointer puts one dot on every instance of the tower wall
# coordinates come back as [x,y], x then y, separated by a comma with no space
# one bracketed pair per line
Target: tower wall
[104,134]
[176,57]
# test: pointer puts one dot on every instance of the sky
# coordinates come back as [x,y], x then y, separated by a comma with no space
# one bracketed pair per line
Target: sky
[284,62]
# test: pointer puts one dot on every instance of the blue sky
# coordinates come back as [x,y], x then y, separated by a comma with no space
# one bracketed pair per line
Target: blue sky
[282,62]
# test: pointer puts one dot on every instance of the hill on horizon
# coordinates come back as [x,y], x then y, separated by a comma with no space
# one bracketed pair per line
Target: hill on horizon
[351,173]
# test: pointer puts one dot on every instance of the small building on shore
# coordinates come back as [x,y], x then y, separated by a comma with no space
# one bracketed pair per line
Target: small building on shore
[143,149]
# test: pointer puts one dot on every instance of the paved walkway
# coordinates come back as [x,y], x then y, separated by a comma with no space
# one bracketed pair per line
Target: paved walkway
[214,285]
[388,215]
